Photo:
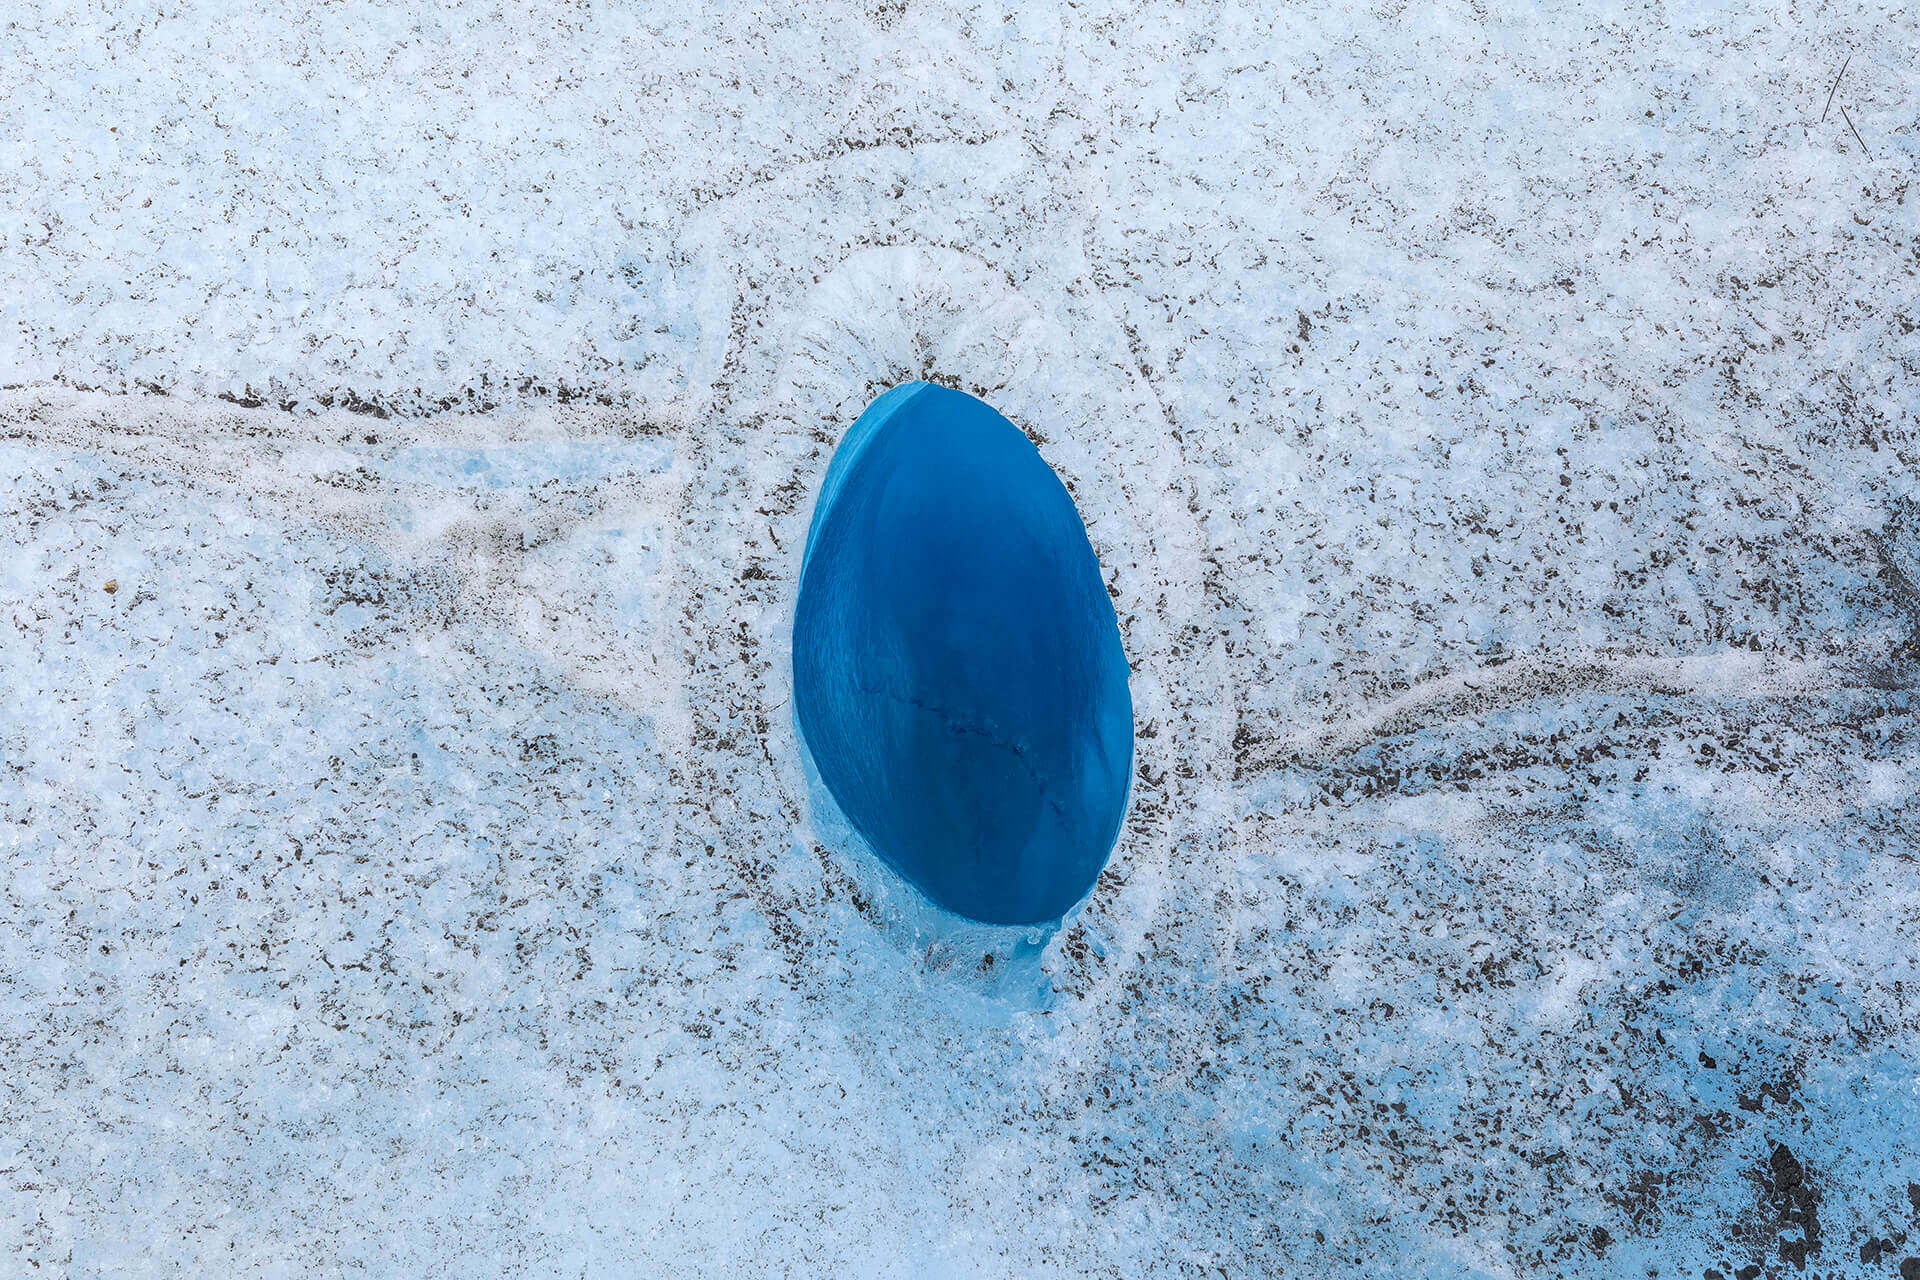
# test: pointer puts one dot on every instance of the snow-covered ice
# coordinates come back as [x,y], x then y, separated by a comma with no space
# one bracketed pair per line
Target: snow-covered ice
[1498,426]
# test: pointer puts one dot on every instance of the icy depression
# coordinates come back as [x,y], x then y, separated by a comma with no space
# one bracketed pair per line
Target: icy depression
[957,674]
[1497,430]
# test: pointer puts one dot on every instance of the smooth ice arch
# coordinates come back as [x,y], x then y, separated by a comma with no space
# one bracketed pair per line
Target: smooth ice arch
[957,669]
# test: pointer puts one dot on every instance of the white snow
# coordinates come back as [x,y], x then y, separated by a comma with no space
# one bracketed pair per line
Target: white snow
[1499,428]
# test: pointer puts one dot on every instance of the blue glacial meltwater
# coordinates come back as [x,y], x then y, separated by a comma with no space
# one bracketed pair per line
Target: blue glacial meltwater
[957,669]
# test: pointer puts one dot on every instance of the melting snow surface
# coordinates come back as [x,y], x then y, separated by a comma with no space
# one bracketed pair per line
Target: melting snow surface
[1499,432]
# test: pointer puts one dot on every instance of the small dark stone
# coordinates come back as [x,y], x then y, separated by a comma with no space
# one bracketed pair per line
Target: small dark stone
[1793,1202]
[1787,1173]
[1910,1269]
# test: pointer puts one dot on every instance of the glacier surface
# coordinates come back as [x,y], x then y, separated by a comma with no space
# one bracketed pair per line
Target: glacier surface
[1498,425]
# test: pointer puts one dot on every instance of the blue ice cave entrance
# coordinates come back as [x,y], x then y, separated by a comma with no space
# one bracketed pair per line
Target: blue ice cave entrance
[958,675]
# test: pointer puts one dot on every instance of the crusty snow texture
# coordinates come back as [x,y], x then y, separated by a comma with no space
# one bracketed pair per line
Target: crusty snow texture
[1498,426]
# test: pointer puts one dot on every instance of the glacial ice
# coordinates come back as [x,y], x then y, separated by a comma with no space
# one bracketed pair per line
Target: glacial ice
[958,675]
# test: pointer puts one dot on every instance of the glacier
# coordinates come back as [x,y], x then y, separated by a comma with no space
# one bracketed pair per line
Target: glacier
[1498,429]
